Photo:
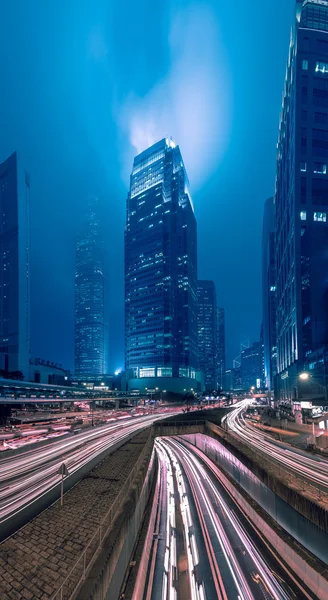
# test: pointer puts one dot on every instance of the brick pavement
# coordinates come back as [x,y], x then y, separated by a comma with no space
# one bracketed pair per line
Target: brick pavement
[36,559]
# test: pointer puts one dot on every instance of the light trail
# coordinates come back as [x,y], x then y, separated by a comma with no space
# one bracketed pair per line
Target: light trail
[27,476]
[312,468]
[239,570]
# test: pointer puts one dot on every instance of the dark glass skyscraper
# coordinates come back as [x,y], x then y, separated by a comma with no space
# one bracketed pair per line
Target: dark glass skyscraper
[160,273]
[251,367]
[301,199]
[207,333]
[221,350]
[91,334]
[14,267]
[269,296]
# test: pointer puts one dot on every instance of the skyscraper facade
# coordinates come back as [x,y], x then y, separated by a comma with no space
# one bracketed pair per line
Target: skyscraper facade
[269,297]
[91,333]
[251,367]
[221,351]
[14,267]
[301,199]
[160,273]
[207,333]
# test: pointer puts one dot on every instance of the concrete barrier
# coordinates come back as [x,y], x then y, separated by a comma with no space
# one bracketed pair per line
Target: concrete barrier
[105,580]
[304,498]
[315,580]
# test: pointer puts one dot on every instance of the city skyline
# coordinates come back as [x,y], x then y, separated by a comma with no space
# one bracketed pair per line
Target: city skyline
[87,149]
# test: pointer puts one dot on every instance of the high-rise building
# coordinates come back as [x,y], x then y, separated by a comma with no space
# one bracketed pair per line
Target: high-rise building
[221,352]
[251,367]
[91,332]
[207,333]
[160,273]
[301,199]
[14,268]
[269,296]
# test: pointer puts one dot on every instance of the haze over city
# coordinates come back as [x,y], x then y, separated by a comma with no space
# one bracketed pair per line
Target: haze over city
[164,300]
[87,86]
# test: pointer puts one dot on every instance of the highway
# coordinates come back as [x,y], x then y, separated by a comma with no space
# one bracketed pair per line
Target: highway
[26,477]
[203,548]
[307,466]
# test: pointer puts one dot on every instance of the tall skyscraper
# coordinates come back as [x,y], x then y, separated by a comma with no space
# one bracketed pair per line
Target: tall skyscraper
[301,199]
[251,367]
[221,350]
[14,267]
[269,296]
[91,333]
[160,273]
[207,333]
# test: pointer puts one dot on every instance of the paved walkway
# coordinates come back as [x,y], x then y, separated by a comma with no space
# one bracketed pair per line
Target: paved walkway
[35,560]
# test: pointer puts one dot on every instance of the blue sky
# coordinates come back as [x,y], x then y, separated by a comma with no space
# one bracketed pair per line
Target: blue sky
[85,85]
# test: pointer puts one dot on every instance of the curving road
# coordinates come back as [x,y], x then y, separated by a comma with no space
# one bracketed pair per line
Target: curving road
[204,547]
[306,466]
[26,477]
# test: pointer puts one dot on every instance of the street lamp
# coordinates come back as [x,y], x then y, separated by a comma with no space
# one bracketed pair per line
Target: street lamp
[304,376]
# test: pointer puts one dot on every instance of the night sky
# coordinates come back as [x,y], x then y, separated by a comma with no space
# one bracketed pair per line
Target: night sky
[85,85]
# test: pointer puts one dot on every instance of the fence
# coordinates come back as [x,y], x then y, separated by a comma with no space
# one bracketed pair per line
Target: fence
[83,565]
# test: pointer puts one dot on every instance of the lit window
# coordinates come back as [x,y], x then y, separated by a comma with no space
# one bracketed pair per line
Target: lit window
[320,217]
[164,371]
[321,67]
[303,167]
[147,372]
[273,288]
[320,168]
[303,215]
[305,65]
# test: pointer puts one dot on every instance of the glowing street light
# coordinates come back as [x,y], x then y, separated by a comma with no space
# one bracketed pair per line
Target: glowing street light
[304,376]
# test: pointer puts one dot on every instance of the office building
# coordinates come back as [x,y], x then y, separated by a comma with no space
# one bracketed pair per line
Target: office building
[91,332]
[221,352]
[269,296]
[301,199]
[161,342]
[251,367]
[233,380]
[207,333]
[14,268]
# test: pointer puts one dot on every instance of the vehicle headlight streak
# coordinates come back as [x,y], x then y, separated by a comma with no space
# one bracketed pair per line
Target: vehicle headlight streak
[27,476]
[198,475]
[197,590]
[302,464]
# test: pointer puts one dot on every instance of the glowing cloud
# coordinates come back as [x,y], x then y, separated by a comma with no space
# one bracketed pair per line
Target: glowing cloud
[192,102]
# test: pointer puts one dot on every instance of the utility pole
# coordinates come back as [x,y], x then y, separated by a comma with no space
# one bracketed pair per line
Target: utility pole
[63,471]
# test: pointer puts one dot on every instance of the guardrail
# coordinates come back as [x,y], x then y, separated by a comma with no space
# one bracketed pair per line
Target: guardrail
[294,480]
[83,565]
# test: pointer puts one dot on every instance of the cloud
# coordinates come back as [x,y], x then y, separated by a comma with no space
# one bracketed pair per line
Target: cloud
[192,102]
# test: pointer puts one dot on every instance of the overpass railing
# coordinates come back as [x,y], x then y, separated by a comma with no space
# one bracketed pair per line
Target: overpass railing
[83,565]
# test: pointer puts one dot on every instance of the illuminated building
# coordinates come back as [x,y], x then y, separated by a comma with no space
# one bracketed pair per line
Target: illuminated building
[160,273]
[91,335]
[207,333]
[301,199]
[251,367]
[269,296]
[220,348]
[14,268]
